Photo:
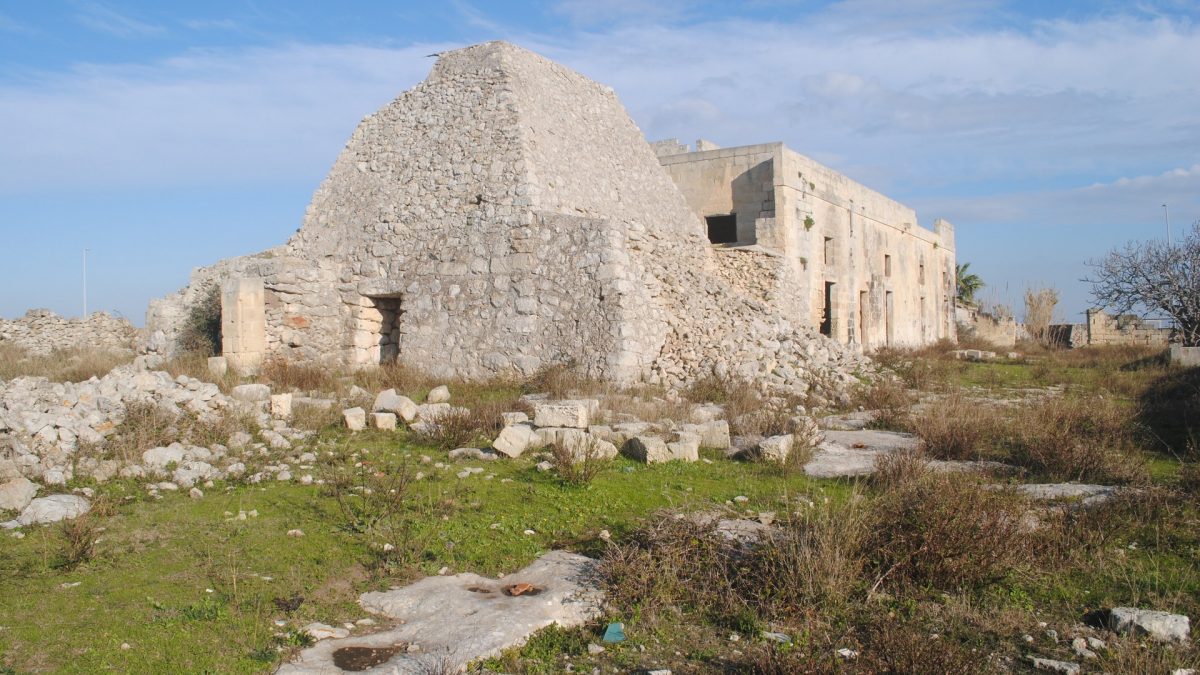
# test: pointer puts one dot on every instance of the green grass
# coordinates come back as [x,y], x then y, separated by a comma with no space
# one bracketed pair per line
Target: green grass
[157,559]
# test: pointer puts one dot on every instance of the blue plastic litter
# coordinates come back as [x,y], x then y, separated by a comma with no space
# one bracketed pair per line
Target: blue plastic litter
[615,632]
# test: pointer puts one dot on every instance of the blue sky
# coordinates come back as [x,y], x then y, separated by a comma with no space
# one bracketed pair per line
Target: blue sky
[165,136]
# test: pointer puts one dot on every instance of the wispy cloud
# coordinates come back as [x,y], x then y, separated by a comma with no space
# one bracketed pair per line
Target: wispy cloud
[11,25]
[104,19]
[590,12]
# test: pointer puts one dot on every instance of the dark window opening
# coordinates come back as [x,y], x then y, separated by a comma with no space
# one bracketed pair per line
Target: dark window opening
[887,265]
[827,316]
[828,250]
[722,229]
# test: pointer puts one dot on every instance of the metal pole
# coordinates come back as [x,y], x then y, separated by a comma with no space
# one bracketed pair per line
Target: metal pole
[85,313]
[1167,220]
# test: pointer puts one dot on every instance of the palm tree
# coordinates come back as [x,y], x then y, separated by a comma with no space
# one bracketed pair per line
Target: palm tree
[968,284]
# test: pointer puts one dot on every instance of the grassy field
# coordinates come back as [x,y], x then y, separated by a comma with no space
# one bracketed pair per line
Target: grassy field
[914,572]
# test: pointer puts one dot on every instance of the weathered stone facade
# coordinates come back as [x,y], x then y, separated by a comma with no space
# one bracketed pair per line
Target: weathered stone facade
[506,215]
[41,331]
[1102,328]
[863,270]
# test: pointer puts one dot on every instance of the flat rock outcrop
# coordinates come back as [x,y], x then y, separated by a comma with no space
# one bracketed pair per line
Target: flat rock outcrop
[449,621]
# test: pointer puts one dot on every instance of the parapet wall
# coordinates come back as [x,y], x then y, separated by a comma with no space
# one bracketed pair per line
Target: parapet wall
[41,331]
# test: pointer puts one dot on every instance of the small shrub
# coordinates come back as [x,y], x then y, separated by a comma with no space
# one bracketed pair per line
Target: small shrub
[201,332]
[947,531]
[377,500]
[78,537]
[891,401]
[955,428]
[674,562]
[457,428]
[814,560]
[577,467]
[894,469]
[313,417]
[1078,439]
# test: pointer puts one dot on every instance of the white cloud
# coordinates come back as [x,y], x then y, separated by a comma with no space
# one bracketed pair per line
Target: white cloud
[590,12]
[104,19]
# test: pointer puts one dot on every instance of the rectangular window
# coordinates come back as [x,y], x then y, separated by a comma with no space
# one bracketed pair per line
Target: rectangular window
[921,274]
[887,265]
[828,250]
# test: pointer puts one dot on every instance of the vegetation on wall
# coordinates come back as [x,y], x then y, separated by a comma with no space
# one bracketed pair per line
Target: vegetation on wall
[201,331]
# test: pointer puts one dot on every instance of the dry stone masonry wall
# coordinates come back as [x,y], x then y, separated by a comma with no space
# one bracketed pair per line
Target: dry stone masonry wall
[41,331]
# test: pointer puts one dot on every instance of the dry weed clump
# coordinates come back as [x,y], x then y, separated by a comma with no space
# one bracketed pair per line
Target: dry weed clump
[1086,439]
[957,428]
[891,401]
[285,375]
[195,365]
[146,425]
[577,466]
[562,381]
[61,365]
[815,559]
[673,563]
[946,531]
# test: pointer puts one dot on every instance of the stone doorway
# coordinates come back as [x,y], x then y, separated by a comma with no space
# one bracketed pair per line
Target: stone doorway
[377,329]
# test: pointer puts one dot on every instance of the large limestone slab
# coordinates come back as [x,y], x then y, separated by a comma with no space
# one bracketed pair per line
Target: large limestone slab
[450,621]
[853,453]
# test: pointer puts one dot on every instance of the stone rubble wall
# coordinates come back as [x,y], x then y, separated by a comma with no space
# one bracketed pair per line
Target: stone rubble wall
[1104,329]
[41,331]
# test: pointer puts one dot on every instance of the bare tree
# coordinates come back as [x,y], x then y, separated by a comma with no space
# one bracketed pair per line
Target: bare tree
[1039,312]
[1153,277]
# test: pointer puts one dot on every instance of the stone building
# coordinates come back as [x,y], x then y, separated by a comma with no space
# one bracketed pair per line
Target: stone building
[869,274]
[506,215]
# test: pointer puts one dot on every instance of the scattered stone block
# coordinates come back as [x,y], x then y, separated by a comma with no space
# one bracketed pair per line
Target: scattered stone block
[439,394]
[511,418]
[1051,665]
[430,412]
[713,434]
[776,448]
[159,458]
[513,440]
[281,406]
[52,509]
[356,418]
[572,414]
[391,402]
[385,421]
[685,447]
[253,393]
[1161,626]
[16,494]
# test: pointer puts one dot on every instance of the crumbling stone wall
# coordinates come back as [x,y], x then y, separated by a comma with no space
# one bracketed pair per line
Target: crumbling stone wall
[41,331]
[1105,329]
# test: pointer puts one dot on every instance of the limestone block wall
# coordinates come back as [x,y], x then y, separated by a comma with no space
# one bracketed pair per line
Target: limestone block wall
[1105,329]
[1001,331]
[41,331]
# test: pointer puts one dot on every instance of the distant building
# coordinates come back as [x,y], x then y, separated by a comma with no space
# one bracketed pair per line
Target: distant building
[868,274]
